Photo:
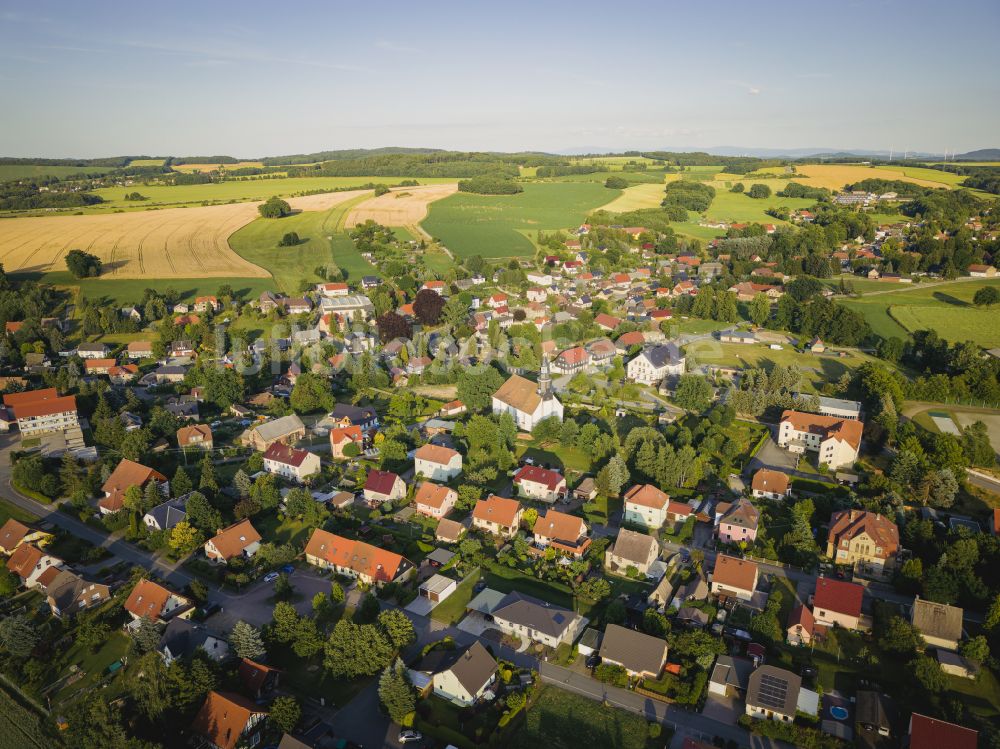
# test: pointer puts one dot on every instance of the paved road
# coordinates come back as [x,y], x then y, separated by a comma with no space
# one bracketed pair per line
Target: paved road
[983,481]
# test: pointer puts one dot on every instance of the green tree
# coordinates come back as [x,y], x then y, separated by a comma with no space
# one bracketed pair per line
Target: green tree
[146,636]
[759,191]
[146,683]
[759,308]
[18,635]
[354,650]
[181,483]
[398,628]
[311,393]
[396,693]
[185,538]
[986,296]
[209,479]
[285,713]
[246,641]
[977,649]
[274,207]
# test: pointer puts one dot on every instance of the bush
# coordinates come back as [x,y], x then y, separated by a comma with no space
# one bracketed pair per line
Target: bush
[274,207]
[289,240]
[609,674]
[490,185]
[759,191]
[616,183]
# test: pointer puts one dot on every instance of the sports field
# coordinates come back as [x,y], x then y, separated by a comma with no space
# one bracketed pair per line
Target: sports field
[323,241]
[491,225]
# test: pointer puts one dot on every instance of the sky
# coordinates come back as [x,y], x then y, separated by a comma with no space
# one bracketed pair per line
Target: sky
[252,79]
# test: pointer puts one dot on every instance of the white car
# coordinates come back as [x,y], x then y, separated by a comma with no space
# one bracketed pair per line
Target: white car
[408,736]
[270,577]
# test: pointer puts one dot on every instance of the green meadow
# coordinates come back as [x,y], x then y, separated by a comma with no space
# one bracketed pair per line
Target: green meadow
[11,172]
[130,290]
[322,241]
[492,225]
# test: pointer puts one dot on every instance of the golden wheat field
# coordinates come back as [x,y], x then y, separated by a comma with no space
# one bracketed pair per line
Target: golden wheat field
[404,206]
[168,243]
[213,167]
[835,176]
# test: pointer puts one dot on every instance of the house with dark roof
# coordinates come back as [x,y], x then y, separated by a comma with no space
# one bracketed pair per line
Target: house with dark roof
[642,655]
[773,693]
[655,363]
[632,549]
[348,415]
[181,638]
[68,594]
[461,676]
[940,624]
[523,616]
[167,514]
[730,676]
[738,522]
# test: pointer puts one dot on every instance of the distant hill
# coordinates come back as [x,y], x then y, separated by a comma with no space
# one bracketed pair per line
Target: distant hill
[983,154]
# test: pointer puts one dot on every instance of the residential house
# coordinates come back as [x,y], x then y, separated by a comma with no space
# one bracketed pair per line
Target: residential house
[873,716]
[196,435]
[837,441]
[123,374]
[449,531]
[642,656]
[29,562]
[770,484]
[227,720]
[528,618]
[14,533]
[257,679]
[383,486]
[867,542]
[572,360]
[940,624]
[632,549]
[461,676]
[346,415]
[182,638]
[730,677]
[773,693]
[167,514]
[181,349]
[801,626]
[539,483]
[92,350]
[369,564]
[127,474]
[68,594]
[434,500]
[527,402]
[734,577]
[287,430]
[437,463]
[497,515]
[150,600]
[563,532]
[95,367]
[978,270]
[837,602]
[932,733]
[646,505]
[239,539]
[291,463]
[653,364]
[206,303]
[334,289]
[738,523]
[42,411]
[737,336]
[342,437]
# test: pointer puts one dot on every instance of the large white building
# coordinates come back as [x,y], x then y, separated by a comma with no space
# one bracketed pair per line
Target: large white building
[290,462]
[837,441]
[41,411]
[527,402]
[656,363]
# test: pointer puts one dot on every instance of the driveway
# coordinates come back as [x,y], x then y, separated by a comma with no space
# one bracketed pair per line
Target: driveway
[772,456]
[255,605]
[723,709]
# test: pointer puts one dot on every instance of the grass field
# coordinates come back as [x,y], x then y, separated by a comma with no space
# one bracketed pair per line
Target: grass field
[636,198]
[741,208]
[323,242]
[8,511]
[146,162]
[127,291]
[213,167]
[490,225]
[558,719]
[924,174]
[10,172]
[943,307]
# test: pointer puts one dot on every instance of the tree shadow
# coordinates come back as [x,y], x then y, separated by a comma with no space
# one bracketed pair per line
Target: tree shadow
[949,299]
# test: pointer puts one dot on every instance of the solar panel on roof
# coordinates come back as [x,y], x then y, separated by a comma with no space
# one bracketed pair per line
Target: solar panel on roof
[772,691]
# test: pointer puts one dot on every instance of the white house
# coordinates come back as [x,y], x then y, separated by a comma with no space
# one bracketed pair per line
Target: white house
[460,676]
[437,463]
[538,483]
[653,364]
[434,500]
[527,402]
[837,441]
[646,505]
[291,463]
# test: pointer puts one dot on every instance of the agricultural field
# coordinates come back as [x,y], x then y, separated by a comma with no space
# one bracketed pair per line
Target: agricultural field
[954,418]
[637,198]
[130,291]
[635,178]
[146,162]
[945,308]
[231,190]
[171,243]
[741,208]
[492,225]
[923,173]
[405,207]
[323,241]
[189,168]
[835,176]
[612,163]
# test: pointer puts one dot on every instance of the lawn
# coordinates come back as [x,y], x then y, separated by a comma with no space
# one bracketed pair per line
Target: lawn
[452,608]
[557,456]
[507,579]
[93,664]
[741,208]
[8,511]
[278,531]
[563,720]
[490,225]
[10,172]
[322,242]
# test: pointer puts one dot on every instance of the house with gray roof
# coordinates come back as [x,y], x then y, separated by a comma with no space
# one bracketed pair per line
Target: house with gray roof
[464,676]
[773,693]
[287,430]
[940,624]
[522,616]
[656,363]
[181,638]
[730,676]
[632,549]
[640,654]
[167,514]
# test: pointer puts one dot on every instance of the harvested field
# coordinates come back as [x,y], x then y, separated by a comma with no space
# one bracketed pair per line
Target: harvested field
[835,176]
[169,243]
[637,198]
[404,206]
[188,168]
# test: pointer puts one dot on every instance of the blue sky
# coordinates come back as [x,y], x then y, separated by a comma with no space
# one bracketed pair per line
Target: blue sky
[251,78]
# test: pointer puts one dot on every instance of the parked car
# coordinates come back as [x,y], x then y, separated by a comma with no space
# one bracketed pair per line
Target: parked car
[593,660]
[409,736]
[288,569]
[270,577]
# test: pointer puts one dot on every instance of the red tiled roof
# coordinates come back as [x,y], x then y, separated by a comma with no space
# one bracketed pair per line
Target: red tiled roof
[847,430]
[381,482]
[731,572]
[24,559]
[12,533]
[931,733]
[802,616]
[233,540]
[147,599]
[432,495]
[647,495]
[496,509]
[223,718]
[282,453]
[435,454]
[379,564]
[345,434]
[838,596]
[574,355]
[766,480]
[538,475]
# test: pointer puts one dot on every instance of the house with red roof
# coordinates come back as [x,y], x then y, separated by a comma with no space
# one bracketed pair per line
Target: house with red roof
[500,516]
[646,505]
[127,474]
[383,486]
[571,360]
[150,600]
[801,626]
[369,564]
[539,483]
[227,720]
[341,438]
[291,463]
[734,577]
[837,602]
[836,441]
[437,462]
[434,500]
[932,733]
[607,322]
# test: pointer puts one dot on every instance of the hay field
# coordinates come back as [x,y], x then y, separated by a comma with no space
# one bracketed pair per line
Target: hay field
[835,176]
[404,206]
[146,162]
[188,168]
[637,198]
[170,243]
